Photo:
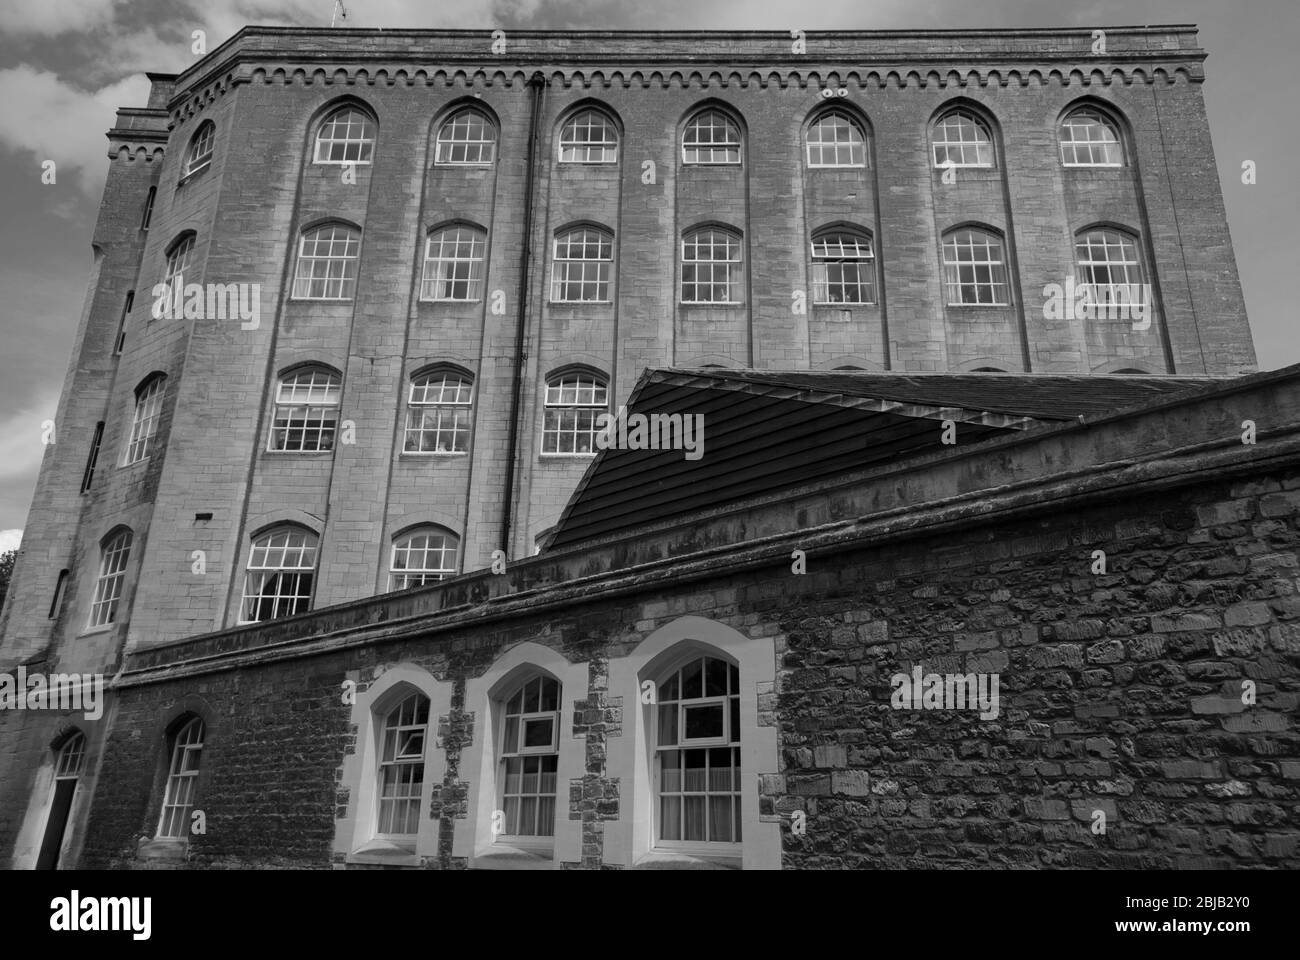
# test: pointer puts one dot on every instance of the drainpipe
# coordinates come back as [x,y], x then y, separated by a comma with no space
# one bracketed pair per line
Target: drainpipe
[536,87]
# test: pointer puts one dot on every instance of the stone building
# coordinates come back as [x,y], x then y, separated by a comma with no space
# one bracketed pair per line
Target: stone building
[360,298]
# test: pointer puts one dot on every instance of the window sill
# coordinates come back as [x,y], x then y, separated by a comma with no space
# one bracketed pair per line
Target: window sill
[299,453]
[504,855]
[565,456]
[193,175]
[385,852]
[431,454]
[162,848]
[662,858]
[102,628]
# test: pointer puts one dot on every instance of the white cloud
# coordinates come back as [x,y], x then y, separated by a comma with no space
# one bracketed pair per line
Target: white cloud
[51,18]
[21,449]
[10,539]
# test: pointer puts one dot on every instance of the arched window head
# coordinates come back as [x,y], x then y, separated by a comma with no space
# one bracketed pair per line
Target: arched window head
[711,266]
[530,745]
[71,757]
[589,136]
[581,266]
[835,139]
[422,556]
[438,413]
[844,267]
[466,137]
[711,137]
[574,401]
[182,774]
[327,263]
[697,747]
[1090,139]
[199,155]
[306,411]
[178,261]
[988,370]
[280,574]
[346,135]
[113,555]
[145,419]
[454,264]
[962,139]
[401,767]
[1109,268]
[974,268]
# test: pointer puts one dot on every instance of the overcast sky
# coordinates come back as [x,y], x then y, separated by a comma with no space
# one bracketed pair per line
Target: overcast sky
[66,65]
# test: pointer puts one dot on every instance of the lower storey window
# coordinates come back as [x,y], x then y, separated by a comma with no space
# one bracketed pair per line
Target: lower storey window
[699,795]
[529,796]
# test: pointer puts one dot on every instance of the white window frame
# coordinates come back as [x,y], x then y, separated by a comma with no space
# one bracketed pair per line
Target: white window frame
[590,148]
[447,144]
[336,286]
[114,555]
[957,121]
[1129,262]
[178,261]
[364,142]
[308,545]
[732,139]
[424,574]
[847,253]
[523,753]
[583,382]
[858,145]
[1085,119]
[732,266]
[415,762]
[202,146]
[291,413]
[999,282]
[564,262]
[419,408]
[144,421]
[174,817]
[442,270]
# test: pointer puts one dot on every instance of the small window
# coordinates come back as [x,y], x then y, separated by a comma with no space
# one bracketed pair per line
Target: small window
[438,413]
[1109,268]
[466,137]
[711,266]
[148,208]
[120,340]
[279,578]
[454,264]
[844,268]
[71,757]
[56,602]
[975,270]
[401,767]
[327,263]
[144,424]
[92,458]
[113,555]
[306,411]
[178,261]
[530,744]
[1089,139]
[836,140]
[711,137]
[589,137]
[345,136]
[962,139]
[182,775]
[200,152]
[573,403]
[581,266]
[423,556]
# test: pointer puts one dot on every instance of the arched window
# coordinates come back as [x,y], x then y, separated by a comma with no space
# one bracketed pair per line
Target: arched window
[327,263]
[1109,268]
[711,137]
[147,215]
[178,261]
[144,422]
[962,139]
[113,555]
[835,139]
[199,154]
[974,268]
[1090,139]
[711,266]
[401,767]
[182,774]
[422,556]
[454,264]
[306,411]
[844,267]
[530,754]
[438,413]
[347,135]
[467,136]
[697,748]
[589,136]
[581,266]
[279,578]
[67,770]
[574,401]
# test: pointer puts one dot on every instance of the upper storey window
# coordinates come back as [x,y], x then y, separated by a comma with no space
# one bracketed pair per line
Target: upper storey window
[144,423]
[581,266]
[280,573]
[836,140]
[437,415]
[711,137]
[589,137]
[1090,139]
[974,269]
[468,137]
[844,267]
[178,261]
[113,554]
[327,263]
[306,411]
[200,153]
[1109,267]
[345,136]
[574,403]
[961,139]
[453,264]
[711,266]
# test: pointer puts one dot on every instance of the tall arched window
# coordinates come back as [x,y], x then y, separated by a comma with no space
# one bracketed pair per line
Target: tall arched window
[199,155]
[280,574]
[346,135]
[962,139]
[974,268]
[589,136]
[711,266]
[422,556]
[844,267]
[1089,139]
[178,261]
[711,137]
[1109,267]
[835,139]
[574,401]
[67,770]
[144,421]
[438,412]
[454,264]
[327,263]
[530,754]
[401,767]
[581,266]
[697,747]
[306,411]
[113,555]
[467,136]
[182,774]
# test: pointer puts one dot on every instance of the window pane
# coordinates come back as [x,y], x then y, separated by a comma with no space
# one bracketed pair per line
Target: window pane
[703,721]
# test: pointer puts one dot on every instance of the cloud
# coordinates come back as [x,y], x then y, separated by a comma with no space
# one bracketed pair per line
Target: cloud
[50,18]
[10,539]
[21,449]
